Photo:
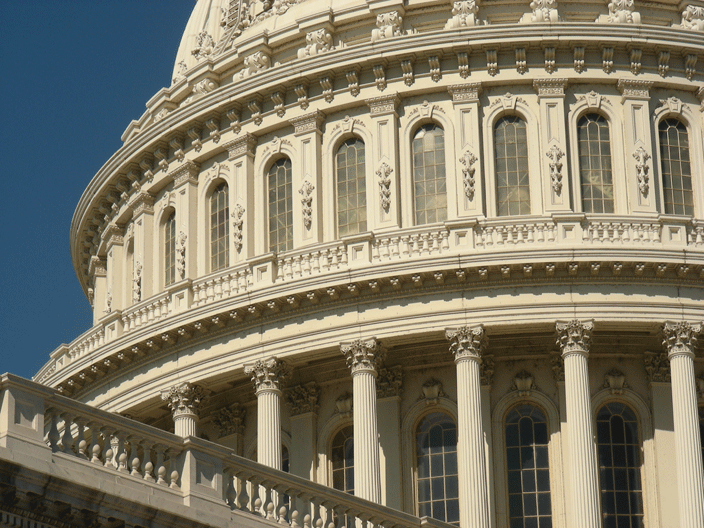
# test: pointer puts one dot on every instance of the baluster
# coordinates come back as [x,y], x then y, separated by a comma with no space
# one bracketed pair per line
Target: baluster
[375,251]
[395,247]
[445,241]
[242,495]
[147,465]
[255,500]
[656,232]
[405,247]
[159,464]
[436,245]
[229,492]
[316,262]
[414,250]
[66,438]
[317,512]
[307,520]
[53,437]
[94,448]
[134,461]
[119,452]
[343,251]
[306,264]
[81,440]
[297,269]
[174,480]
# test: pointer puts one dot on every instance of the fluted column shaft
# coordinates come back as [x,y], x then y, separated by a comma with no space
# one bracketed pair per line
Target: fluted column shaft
[186,425]
[467,344]
[574,341]
[680,339]
[269,427]
[362,358]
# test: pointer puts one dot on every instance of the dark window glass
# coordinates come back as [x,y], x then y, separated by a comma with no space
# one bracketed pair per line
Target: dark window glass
[429,181]
[343,460]
[595,164]
[675,167]
[527,468]
[219,228]
[280,206]
[511,166]
[351,188]
[619,466]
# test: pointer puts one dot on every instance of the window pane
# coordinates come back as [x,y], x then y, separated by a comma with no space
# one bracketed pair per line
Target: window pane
[429,182]
[511,166]
[342,456]
[219,228]
[280,206]
[351,188]
[675,168]
[527,465]
[595,164]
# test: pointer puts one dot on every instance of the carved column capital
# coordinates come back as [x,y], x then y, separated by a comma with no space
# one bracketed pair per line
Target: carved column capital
[389,382]
[230,420]
[657,366]
[303,398]
[467,342]
[680,338]
[243,145]
[574,336]
[363,355]
[185,399]
[267,374]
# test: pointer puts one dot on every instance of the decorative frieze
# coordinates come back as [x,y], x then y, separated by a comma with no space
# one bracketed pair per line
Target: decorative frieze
[641,156]
[463,14]
[680,338]
[243,145]
[550,87]
[633,89]
[204,46]
[310,122]
[267,374]
[97,267]
[382,105]
[673,104]
[524,383]
[185,399]
[187,172]
[303,398]
[557,363]
[486,370]
[388,25]
[465,93]
[466,341]
[363,354]
[574,336]
[200,90]
[389,382]
[143,203]
[230,420]
[343,404]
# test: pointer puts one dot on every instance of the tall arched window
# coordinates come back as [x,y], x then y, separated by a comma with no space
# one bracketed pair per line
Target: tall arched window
[676,169]
[528,468]
[511,157]
[619,466]
[351,188]
[429,181]
[280,206]
[595,164]
[342,455]
[436,468]
[170,249]
[219,228]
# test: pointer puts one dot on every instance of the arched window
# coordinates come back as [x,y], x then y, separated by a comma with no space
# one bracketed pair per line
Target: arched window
[280,206]
[436,468]
[342,455]
[351,188]
[676,169]
[429,181]
[170,249]
[619,465]
[219,228]
[511,157]
[528,468]
[595,164]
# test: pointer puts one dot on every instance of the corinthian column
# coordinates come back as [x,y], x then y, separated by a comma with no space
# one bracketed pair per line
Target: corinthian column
[680,339]
[574,337]
[467,345]
[185,401]
[363,358]
[267,376]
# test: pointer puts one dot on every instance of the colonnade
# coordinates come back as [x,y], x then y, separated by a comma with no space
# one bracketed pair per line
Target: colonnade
[468,344]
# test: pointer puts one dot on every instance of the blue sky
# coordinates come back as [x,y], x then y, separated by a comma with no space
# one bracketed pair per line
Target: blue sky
[75,73]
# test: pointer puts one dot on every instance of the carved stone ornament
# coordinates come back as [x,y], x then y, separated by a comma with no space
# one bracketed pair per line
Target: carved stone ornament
[641,156]
[700,387]
[108,302]
[673,104]
[343,404]
[657,365]
[237,225]
[181,71]
[181,255]
[555,155]
[317,42]
[680,338]
[200,90]
[544,11]
[574,336]
[388,25]
[486,369]
[463,14]
[466,342]
[267,374]
[137,283]
[306,191]
[384,174]
[389,382]
[363,355]
[204,46]
[558,367]
[693,18]
[468,160]
[230,420]
[185,399]
[255,63]
[622,12]
[615,381]
[431,391]
[303,398]
[523,383]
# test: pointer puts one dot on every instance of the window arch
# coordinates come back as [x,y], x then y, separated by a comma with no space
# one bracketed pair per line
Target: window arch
[595,167]
[342,458]
[351,188]
[219,228]
[437,482]
[280,205]
[511,166]
[619,465]
[429,180]
[527,467]
[675,167]
[170,249]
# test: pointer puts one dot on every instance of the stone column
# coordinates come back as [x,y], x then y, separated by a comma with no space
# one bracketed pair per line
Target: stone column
[363,358]
[680,339]
[573,340]
[267,376]
[303,456]
[467,344]
[185,401]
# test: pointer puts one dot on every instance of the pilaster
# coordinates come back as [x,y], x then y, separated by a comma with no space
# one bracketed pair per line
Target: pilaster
[230,424]
[97,269]
[115,271]
[574,339]
[679,340]
[185,401]
[389,382]
[144,244]
[186,188]
[467,344]
[242,197]
[303,403]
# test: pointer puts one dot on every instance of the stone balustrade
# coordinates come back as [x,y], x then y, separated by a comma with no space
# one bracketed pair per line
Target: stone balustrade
[145,312]
[68,437]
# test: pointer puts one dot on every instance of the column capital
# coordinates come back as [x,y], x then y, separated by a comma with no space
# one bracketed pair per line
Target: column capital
[303,398]
[467,342]
[680,338]
[267,374]
[363,355]
[230,420]
[185,399]
[574,336]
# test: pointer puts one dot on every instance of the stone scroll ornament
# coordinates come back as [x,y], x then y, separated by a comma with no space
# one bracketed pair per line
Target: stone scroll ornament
[306,191]
[384,174]
[137,283]
[468,160]
[181,255]
[555,155]
[642,157]
[238,225]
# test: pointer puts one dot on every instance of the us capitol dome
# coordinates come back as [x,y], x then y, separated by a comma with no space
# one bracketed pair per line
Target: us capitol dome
[391,263]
